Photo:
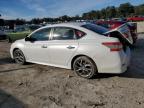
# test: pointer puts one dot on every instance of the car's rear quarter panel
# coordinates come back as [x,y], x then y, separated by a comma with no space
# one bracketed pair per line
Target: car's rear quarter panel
[105,60]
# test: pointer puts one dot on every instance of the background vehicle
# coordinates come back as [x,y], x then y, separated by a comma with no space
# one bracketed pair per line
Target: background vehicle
[3,35]
[86,48]
[135,18]
[112,24]
[21,32]
[34,27]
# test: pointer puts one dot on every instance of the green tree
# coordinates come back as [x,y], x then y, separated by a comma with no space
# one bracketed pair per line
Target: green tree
[126,9]
[1,22]
[20,21]
[139,10]
[103,13]
[85,16]
[36,21]
[65,18]
[111,12]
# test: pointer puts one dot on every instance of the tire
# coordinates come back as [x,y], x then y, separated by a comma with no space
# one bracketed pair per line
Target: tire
[19,57]
[84,67]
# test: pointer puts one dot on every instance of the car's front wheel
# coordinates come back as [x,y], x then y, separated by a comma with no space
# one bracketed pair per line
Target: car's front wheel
[84,67]
[19,57]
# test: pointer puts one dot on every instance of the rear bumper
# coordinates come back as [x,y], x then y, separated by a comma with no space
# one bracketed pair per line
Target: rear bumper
[115,63]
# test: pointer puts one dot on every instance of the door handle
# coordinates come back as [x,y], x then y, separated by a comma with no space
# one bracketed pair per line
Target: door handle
[70,47]
[44,46]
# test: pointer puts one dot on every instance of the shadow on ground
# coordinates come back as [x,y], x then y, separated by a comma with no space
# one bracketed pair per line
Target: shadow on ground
[6,60]
[9,101]
[137,62]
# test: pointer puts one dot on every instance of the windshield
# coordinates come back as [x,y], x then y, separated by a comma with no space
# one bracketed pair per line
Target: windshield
[96,28]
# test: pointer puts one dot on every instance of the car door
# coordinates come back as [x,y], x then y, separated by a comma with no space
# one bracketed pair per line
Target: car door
[63,45]
[37,49]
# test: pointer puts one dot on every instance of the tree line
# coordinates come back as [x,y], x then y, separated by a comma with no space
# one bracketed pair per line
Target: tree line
[124,10]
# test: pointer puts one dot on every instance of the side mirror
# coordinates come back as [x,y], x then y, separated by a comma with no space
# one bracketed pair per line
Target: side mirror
[30,39]
[27,39]
[27,35]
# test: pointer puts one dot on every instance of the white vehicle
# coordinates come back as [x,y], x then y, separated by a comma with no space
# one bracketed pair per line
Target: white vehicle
[82,47]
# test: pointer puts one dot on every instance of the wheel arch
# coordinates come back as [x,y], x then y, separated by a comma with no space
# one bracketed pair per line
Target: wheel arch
[15,49]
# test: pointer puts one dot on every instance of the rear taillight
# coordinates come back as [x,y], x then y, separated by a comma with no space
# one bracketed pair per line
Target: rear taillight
[114,46]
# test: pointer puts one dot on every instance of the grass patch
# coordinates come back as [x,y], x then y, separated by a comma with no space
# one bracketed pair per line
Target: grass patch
[18,35]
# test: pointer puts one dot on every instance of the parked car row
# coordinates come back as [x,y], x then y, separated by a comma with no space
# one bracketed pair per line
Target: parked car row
[86,48]
[135,18]
[130,19]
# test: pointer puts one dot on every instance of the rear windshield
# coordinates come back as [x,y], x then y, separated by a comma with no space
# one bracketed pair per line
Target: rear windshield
[96,28]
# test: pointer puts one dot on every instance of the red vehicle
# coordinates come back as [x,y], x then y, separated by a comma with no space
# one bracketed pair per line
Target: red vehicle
[136,18]
[112,24]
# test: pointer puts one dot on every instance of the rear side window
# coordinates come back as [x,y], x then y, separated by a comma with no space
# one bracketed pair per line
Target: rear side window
[63,33]
[79,34]
[96,28]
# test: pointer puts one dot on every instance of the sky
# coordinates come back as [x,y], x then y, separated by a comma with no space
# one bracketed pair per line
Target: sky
[28,9]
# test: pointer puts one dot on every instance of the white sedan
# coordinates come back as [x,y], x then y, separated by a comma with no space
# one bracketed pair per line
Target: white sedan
[86,48]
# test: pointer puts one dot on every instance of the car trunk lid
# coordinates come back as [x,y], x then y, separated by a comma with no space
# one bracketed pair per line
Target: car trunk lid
[123,33]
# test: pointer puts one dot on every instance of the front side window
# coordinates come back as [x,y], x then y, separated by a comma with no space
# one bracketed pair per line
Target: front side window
[63,33]
[41,35]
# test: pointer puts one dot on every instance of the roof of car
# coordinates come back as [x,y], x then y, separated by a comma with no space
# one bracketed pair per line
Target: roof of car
[76,25]
[69,24]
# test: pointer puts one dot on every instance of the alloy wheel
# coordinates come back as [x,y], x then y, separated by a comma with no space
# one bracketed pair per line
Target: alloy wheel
[84,67]
[19,56]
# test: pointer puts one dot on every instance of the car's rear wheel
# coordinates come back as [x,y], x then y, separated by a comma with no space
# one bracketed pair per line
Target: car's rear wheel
[84,67]
[19,57]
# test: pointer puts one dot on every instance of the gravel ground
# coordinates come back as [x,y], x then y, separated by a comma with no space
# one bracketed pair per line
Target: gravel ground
[37,86]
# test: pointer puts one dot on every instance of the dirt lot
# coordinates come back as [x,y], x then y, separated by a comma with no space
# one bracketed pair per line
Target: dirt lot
[37,86]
